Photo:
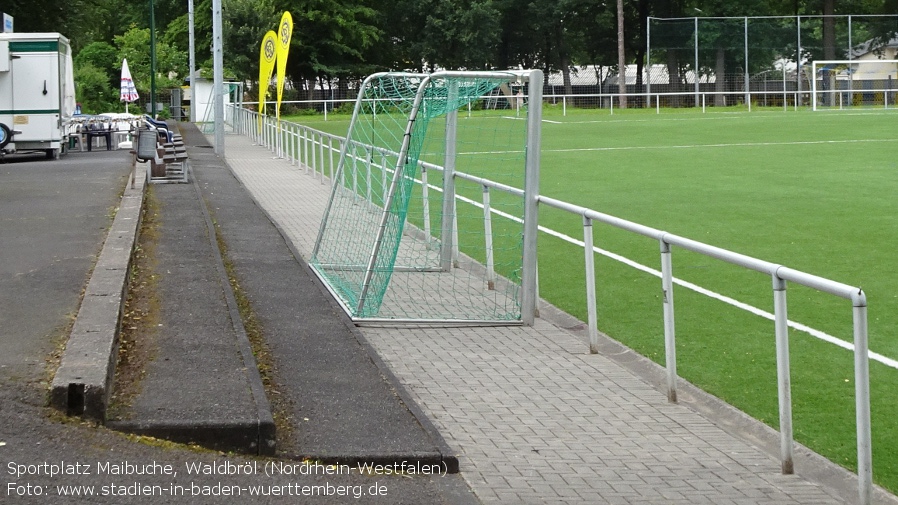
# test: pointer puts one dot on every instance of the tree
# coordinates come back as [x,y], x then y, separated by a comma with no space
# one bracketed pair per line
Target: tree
[459,35]
[621,56]
[171,63]
[330,39]
[101,56]
[177,32]
[47,15]
[727,37]
[244,23]
[93,91]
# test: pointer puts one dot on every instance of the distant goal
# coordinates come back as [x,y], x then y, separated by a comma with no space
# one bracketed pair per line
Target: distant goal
[432,214]
[844,84]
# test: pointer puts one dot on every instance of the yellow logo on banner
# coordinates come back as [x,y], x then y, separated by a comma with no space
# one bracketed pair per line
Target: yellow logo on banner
[285,32]
[266,67]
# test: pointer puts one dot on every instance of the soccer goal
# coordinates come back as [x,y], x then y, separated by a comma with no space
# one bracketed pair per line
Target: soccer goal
[432,215]
[842,84]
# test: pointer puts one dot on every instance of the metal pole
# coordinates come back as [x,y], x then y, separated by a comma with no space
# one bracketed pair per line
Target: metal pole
[747,78]
[784,86]
[648,55]
[401,164]
[670,345]
[589,256]
[446,225]
[455,244]
[850,73]
[321,154]
[330,145]
[192,44]
[314,151]
[152,60]
[531,198]
[814,85]
[425,201]
[369,158]
[695,68]
[783,375]
[862,401]
[218,76]
[798,63]
[383,177]
[488,237]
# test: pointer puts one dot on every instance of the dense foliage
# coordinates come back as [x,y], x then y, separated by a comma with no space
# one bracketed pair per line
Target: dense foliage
[336,39]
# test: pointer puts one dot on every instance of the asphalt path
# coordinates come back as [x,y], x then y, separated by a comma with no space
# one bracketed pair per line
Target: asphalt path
[54,215]
[53,219]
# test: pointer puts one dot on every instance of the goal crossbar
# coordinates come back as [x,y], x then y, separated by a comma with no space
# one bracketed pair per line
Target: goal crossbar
[887,71]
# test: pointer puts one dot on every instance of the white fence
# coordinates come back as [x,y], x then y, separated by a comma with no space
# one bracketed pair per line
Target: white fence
[318,152]
[886,98]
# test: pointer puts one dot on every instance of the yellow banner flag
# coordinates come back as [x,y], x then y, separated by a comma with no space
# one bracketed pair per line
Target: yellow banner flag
[285,32]
[266,67]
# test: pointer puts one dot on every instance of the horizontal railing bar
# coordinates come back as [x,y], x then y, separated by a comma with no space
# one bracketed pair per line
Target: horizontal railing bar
[855,294]
[490,184]
[604,218]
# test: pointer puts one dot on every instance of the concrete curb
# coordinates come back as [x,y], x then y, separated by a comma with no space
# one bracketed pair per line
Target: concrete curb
[446,455]
[83,382]
[219,435]
[265,437]
[252,436]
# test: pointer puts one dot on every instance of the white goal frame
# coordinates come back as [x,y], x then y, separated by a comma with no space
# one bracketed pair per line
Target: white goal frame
[815,65]
[448,250]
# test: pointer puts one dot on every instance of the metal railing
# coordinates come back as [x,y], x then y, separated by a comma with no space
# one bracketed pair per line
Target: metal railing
[886,98]
[307,147]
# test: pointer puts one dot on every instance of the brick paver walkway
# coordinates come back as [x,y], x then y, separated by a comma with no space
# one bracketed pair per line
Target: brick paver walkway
[534,418]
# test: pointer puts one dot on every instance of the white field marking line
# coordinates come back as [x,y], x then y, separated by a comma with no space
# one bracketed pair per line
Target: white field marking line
[733,144]
[718,115]
[711,117]
[889,362]
[692,146]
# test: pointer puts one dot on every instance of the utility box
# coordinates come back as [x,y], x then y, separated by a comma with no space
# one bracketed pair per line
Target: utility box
[37,92]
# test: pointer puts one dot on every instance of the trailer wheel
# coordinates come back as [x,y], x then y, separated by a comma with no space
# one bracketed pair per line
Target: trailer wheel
[5,135]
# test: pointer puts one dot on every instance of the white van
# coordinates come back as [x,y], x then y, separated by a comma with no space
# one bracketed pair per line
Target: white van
[37,92]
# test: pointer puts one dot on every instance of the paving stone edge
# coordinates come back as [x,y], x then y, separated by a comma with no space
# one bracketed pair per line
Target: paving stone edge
[265,441]
[83,382]
[446,455]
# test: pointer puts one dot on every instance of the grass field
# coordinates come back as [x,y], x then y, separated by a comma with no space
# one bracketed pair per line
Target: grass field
[816,192]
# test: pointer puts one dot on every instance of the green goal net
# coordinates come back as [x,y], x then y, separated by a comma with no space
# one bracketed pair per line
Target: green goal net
[425,219]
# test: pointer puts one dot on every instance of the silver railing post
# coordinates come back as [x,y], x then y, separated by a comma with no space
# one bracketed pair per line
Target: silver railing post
[670,344]
[488,238]
[447,226]
[862,400]
[321,154]
[369,158]
[425,204]
[529,293]
[330,144]
[589,256]
[783,374]
[291,142]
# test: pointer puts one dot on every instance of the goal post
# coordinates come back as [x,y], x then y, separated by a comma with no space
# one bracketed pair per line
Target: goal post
[432,214]
[842,84]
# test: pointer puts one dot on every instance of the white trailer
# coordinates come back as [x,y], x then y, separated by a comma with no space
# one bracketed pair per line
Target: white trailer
[37,92]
